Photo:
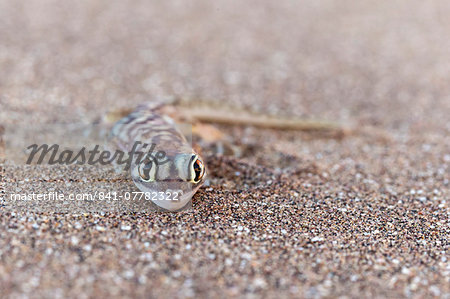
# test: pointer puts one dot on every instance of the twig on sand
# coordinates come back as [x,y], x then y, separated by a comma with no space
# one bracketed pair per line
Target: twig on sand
[267,122]
[208,112]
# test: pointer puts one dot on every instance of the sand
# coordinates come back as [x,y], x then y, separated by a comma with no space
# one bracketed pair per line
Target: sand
[291,214]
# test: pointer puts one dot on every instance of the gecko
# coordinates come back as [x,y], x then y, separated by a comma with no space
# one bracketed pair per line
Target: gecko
[184,171]
[179,169]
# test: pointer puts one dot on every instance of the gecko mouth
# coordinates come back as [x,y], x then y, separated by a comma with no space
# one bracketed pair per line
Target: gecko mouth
[165,185]
[172,195]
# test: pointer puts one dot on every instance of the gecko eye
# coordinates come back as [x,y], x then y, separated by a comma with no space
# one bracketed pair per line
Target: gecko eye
[147,171]
[198,169]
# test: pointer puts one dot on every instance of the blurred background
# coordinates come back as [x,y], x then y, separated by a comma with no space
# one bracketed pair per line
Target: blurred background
[381,63]
[361,216]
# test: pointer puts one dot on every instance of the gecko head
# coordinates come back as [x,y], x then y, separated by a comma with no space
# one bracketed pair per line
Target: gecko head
[182,173]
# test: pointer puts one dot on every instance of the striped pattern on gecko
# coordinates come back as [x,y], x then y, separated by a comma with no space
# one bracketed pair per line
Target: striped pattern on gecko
[169,164]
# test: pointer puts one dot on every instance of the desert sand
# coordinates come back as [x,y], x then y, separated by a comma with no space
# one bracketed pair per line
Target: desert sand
[293,214]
